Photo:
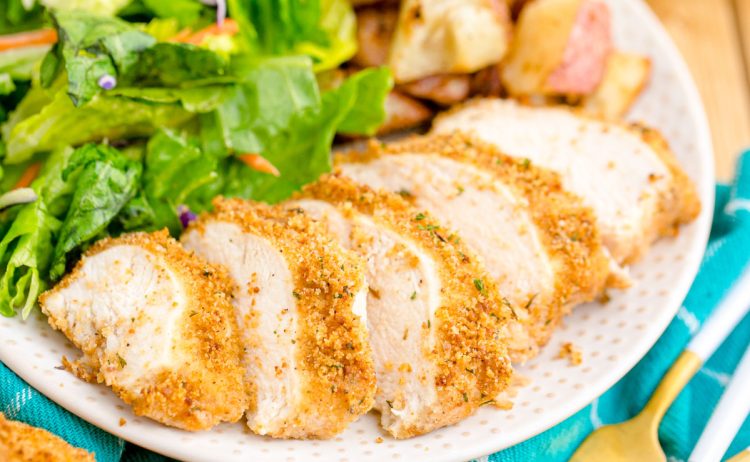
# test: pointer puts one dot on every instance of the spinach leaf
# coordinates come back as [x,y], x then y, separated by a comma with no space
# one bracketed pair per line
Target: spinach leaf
[90,47]
[105,180]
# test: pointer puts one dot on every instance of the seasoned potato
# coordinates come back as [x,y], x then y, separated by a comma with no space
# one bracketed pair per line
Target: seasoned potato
[448,37]
[441,89]
[625,77]
[559,48]
[375,28]
[403,112]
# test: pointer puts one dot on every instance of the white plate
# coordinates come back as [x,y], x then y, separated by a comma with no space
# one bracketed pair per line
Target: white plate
[613,337]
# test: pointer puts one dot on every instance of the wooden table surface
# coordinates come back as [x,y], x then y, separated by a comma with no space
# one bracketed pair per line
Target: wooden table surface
[714,38]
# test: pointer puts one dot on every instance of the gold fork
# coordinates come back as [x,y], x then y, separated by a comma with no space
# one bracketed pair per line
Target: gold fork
[637,439]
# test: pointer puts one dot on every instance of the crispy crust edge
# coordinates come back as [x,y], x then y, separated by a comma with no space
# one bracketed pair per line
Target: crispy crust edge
[567,227]
[20,442]
[182,398]
[325,294]
[679,206]
[472,322]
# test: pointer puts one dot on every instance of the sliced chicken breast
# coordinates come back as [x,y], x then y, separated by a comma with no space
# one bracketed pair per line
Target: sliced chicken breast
[626,174]
[448,36]
[438,327]
[155,323]
[537,241]
[300,302]
[23,443]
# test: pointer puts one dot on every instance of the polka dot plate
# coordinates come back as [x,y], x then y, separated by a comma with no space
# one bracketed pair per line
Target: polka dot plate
[613,336]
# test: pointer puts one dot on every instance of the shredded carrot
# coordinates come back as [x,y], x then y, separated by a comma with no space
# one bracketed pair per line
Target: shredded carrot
[26,39]
[229,27]
[182,35]
[28,175]
[259,163]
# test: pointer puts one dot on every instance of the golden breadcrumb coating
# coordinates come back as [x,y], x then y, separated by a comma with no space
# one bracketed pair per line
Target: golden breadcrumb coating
[567,227]
[572,353]
[332,345]
[23,443]
[682,204]
[678,206]
[471,329]
[207,389]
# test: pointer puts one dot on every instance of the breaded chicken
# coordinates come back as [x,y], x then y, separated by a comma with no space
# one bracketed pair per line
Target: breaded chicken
[537,241]
[155,323]
[438,327]
[626,174]
[300,302]
[23,443]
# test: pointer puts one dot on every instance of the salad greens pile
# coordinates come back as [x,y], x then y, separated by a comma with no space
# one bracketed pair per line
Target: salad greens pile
[116,120]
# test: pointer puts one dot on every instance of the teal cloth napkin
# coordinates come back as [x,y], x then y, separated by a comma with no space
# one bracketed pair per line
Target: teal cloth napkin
[726,256]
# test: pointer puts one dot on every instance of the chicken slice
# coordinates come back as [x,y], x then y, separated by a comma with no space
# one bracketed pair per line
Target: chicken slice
[536,240]
[300,302]
[558,47]
[448,36]
[626,174]
[155,323]
[23,443]
[438,328]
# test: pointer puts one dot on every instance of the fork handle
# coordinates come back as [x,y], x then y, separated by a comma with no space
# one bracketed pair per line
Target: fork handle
[742,456]
[721,323]
[730,413]
[671,385]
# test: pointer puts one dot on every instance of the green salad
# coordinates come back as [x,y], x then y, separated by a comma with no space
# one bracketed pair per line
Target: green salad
[123,115]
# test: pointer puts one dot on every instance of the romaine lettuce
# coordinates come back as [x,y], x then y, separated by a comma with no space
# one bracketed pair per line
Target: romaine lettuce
[324,30]
[43,122]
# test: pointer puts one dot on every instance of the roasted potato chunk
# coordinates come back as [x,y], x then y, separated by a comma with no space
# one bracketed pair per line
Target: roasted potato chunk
[559,47]
[625,77]
[448,37]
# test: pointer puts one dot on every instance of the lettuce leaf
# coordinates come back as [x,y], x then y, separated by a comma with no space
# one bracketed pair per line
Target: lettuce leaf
[26,250]
[324,30]
[261,107]
[27,245]
[19,15]
[20,62]
[102,7]
[301,153]
[366,92]
[187,12]
[45,121]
